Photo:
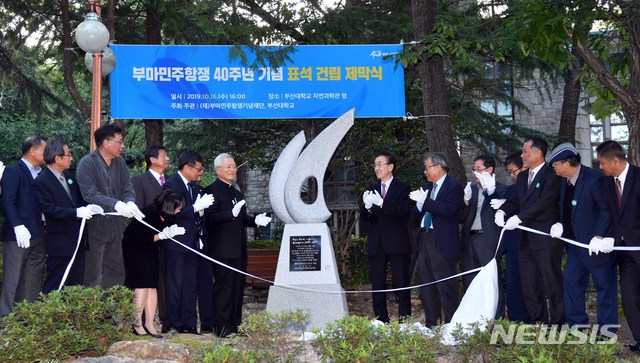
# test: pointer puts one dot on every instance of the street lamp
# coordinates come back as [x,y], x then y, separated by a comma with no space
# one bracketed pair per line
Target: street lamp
[93,37]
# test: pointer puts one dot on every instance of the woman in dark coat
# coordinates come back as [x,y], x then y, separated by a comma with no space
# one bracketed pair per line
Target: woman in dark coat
[140,250]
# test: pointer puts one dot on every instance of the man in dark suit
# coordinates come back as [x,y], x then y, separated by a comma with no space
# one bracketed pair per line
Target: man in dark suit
[148,186]
[24,251]
[226,221]
[536,205]
[621,188]
[479,233]
[386,208]
[437,212]
[181,270]
[584,217]
[60,200]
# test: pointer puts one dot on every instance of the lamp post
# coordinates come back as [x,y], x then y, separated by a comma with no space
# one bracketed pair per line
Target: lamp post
[93,37]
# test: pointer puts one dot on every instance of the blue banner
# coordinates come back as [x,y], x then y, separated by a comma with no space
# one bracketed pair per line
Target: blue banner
[202,82]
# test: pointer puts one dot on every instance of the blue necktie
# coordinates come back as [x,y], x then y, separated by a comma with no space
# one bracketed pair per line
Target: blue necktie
[426,220]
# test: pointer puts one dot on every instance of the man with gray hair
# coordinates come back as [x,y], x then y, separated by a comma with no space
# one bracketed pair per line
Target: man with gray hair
[437,209]
[227,220]
[24,252]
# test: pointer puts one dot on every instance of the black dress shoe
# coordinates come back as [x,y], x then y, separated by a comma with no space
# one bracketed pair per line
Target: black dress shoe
[206,330]
[635,348]
[189,331]
[150,333]
[135,332]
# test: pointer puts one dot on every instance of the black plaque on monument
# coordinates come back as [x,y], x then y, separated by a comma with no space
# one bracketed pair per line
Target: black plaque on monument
[304,253]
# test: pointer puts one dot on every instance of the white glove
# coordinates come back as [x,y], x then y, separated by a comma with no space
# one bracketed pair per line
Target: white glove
[512,223]
[237,207]
[136,211]
[497,203]
[123,209]
[376,198]
[556,230]
[367,200]
[22,236]
[1,169]
[467,193]
[607,245]
[499,219]
[203,202]
[487,181]
[171,231]
[419,196]
[595,245]
[262,220]
[84,212]
[95,209]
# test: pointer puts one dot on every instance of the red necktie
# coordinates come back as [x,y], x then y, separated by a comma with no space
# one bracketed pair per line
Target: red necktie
[161,180]
[384,190]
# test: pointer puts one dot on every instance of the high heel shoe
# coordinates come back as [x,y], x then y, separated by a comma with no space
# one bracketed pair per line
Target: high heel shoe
[151,334]
[135,332]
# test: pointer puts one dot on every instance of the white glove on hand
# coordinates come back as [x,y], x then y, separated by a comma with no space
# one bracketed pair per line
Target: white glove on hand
[376,198]
[499,219]
[595,245]
[367,200]
[607,245]
[203,202]
[136,211]
[487,181]
[171,231]
[556,230]
[512,223]
[84,212]
[467,193]
[95,209]
[237,207]
[22,236]
[1,169]
[123,209]
[497,203]
[419,196]
[262,220]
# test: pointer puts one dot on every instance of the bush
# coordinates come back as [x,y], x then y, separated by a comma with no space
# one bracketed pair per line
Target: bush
[65,324]
[355,263]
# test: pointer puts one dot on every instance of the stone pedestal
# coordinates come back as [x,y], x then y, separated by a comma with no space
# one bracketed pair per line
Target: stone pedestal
[307,262]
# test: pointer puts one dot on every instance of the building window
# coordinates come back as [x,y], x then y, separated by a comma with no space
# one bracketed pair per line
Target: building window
[611,128]
[500,79]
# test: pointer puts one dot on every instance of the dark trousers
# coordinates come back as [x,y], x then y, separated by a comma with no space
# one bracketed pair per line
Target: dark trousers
[576,281]
[630,289]
[540,272]
[56,265]
[432,266]
[400,278]
[180,288]
[205,293]
[513,295]
[162,311]
[23,270]
[228,292]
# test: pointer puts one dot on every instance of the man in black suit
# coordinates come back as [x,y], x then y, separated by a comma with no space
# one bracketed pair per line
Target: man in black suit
[584,217]
[181,270]
[148,186]
[479,233]
[386,207]
[60,200]
[24,251]
[437,212]
[226,221]
[536,204]
[621,188]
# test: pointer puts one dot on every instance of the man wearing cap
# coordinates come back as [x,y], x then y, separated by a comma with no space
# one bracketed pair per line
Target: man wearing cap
[584,217]
[536,204]
[621,188]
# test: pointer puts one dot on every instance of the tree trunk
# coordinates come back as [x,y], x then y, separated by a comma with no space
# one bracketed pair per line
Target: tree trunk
[153,129]
[570,101]
[440,136]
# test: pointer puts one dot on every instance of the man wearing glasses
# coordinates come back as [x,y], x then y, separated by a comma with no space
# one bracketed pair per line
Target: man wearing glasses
[479,233]
[104,180]
[181,272]
[437,212]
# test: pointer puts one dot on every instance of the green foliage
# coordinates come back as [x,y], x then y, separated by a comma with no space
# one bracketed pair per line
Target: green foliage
[354,339]
[68,323]
[354,263]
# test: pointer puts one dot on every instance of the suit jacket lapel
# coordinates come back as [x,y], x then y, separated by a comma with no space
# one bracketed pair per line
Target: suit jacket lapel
[628,183]
[578,190]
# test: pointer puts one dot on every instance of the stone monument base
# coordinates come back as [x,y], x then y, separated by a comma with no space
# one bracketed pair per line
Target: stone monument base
[324,307]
